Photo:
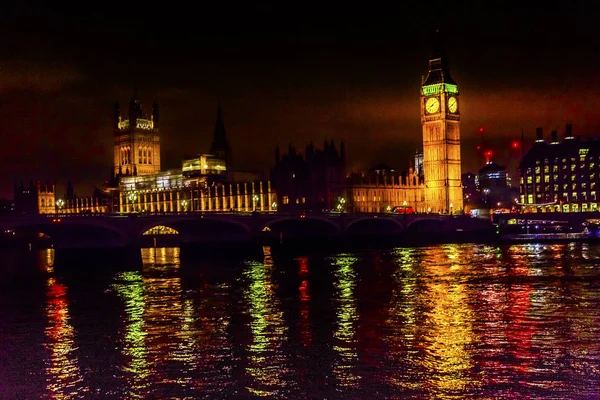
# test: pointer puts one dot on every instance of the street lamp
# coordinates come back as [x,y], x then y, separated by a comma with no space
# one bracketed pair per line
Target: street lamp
[341,202]
[451,206]
[60,203]
[274,205]
[184,205]
[132,198]
[255,199]
[388,209]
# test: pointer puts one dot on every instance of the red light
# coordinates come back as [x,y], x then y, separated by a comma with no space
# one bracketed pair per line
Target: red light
[478,147]
[514,144]
[481,129]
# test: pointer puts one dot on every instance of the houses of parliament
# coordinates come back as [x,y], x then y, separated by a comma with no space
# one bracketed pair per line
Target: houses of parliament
[313,180]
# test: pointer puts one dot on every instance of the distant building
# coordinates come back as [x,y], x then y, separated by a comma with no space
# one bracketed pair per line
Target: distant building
[136,140]
[419,171]
[36,198]
[560,175]
[471,193]
[494,187]
[384,189]
[312,181]
[203,183]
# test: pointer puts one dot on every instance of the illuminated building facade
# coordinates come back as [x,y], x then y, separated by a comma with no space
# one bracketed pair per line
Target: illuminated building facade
[36,198]
[384,189]
[202,184]
[440,120]
[136,141]
[560,176]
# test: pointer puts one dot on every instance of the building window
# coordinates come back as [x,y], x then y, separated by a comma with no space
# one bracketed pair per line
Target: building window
[546,168]
[555,168]
[572,167]
[573,177]
[530,199]
[285,200]
[537,179]
[591,165]
[556,188]
[529,179]
[555,177]
[546,178]
[537,170]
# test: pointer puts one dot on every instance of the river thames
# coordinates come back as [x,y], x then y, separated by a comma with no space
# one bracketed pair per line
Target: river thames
[437,322]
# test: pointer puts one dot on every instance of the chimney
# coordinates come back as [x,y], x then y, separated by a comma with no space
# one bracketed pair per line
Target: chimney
[554,137]
[539,136]
[569,131]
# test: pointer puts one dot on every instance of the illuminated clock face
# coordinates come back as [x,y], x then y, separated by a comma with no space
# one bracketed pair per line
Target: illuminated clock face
[432,105]
[452,104]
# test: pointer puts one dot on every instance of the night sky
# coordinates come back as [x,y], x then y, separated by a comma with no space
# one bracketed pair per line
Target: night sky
[290,72]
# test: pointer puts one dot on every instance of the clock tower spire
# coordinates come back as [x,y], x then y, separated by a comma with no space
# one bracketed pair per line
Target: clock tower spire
[440,120]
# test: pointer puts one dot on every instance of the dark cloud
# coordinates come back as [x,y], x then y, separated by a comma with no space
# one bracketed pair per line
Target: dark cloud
[282,76]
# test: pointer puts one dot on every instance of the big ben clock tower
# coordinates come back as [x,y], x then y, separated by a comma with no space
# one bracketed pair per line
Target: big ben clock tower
[440,119]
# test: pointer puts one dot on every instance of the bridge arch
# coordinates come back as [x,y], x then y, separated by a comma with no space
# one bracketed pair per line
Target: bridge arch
[299,226]
[199,228]
[425,224]
[374,226]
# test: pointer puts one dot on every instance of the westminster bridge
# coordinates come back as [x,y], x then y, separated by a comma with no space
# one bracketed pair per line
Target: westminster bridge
[121,230]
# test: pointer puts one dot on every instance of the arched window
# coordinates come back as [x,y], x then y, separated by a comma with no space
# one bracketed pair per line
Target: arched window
[122,156]
[140,155]
[149,156]
[43,202]
[145,155]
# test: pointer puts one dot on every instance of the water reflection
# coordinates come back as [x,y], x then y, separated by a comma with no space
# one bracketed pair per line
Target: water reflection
[346,318]
[304,294]
[267,360]
[64,380]
[447,325]
[449,321]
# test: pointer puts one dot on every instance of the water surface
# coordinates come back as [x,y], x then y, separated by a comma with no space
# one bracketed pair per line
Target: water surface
[447,321]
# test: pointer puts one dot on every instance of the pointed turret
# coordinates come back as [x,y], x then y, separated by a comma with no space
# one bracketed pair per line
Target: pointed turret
[220,145]
[116,115]
[277,155]
[155,113]
[438,68]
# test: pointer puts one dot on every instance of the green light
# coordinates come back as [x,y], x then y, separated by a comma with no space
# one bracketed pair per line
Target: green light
[437,88]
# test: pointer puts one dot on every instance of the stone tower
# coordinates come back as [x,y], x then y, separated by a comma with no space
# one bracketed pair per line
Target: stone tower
[220,146]
[136,140]
[440,119]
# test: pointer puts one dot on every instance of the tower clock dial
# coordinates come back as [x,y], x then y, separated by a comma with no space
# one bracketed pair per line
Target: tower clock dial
[432,105]
[452,104]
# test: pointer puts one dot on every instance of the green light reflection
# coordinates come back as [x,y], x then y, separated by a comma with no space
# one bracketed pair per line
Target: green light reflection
[267,361]
[346,317]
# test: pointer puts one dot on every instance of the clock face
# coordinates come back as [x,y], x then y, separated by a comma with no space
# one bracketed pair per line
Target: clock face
[452,104]
[432,105]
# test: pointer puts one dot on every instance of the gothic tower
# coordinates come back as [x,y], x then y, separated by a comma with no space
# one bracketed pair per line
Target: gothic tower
[440,119]
[136,140]
[220,146]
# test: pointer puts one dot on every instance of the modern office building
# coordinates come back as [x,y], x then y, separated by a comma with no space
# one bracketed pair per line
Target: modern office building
[560,175]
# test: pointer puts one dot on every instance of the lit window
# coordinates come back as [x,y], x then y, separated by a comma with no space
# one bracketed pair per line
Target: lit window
[555,177]
[592,165]
[572,167]
[529,179]
[573,177]
[555,168]
[556,188]
[546,168]
[530,199]
[285,200]
[546,178]
[537,179]
[537,170]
